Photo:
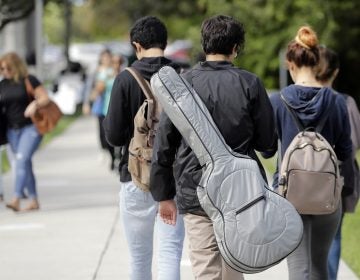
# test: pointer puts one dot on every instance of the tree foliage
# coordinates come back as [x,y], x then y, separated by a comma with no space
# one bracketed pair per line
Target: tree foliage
[11,10]
[269,24]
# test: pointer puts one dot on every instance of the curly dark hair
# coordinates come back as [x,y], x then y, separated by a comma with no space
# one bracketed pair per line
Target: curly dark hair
[149,32]
[220,34]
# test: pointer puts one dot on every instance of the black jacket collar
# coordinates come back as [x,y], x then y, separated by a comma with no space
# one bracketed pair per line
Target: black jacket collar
[214,65]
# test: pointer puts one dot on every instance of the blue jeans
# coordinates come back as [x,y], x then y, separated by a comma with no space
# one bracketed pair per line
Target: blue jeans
[138,212]
[24,142]
[334,254]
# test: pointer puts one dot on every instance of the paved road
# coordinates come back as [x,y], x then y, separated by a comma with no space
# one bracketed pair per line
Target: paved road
[76,235]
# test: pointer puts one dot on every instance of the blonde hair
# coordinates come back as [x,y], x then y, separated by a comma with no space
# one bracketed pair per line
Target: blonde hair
[306,37]
[16,64]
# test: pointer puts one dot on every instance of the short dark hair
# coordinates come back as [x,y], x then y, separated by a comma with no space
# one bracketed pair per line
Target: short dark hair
[219,35]
[149,32]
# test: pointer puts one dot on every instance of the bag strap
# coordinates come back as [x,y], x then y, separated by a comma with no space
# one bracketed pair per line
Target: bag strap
[144,84]
[326,114]
[299,125]
[146,89]
[295,118]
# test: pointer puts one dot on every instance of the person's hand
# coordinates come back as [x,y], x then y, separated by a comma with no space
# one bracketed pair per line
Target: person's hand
[167,211]
[30,109]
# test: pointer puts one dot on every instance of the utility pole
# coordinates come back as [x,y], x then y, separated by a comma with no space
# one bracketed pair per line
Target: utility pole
[39,6]
[283,78]
[68,12]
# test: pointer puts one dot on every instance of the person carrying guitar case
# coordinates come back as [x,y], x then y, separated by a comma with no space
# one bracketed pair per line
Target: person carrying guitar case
[239,106]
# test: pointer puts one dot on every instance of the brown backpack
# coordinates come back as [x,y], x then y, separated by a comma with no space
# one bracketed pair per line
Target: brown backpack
[145,125]
[309,174]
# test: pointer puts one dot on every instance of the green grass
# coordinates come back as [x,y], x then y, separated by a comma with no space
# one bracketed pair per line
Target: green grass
[64,122]
[5,164]
[350,240]
[269,164]
[350,237]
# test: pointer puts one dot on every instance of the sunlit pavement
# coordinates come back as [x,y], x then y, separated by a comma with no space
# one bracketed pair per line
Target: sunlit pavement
[77,235]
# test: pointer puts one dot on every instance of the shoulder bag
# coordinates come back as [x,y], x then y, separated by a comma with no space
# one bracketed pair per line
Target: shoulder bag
[46,118]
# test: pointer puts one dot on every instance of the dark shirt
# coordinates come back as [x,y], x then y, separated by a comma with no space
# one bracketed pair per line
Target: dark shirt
[240,107]
[14,100]
[126,98]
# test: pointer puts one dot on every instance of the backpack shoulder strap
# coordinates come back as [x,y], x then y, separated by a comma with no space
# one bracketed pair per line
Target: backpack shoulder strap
[154,108]
[144,84]
[300,126]
[298,123]
[325,115]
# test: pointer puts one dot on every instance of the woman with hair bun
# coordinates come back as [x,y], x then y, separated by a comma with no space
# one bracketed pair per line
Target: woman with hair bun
[310,99]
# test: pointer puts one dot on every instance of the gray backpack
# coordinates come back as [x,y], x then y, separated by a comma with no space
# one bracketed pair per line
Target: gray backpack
[254,227]
[309,173]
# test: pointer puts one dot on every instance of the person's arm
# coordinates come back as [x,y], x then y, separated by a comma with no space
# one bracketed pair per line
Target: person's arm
[354,118]
[100,83]
[343,144]
[117,122]
[265,136]
[40,95]
[166,143]
[162,182]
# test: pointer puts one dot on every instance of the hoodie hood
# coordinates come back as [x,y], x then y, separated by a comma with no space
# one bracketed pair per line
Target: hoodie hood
[148,66]
[308,102]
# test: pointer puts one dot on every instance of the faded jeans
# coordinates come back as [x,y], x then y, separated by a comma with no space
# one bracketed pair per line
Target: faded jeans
[138,212]
[24,142]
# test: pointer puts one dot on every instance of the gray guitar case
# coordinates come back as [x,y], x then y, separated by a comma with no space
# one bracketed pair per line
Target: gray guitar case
[255,228]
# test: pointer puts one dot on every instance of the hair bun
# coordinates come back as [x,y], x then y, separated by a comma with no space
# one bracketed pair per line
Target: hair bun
[306,37]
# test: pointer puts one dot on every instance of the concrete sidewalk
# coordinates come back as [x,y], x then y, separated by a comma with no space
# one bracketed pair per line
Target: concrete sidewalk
[77,235]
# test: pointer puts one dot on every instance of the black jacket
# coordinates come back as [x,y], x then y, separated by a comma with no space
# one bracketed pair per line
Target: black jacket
[242,111]
[126,98]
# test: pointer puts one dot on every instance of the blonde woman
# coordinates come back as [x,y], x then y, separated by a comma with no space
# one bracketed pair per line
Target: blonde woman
[18,106]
